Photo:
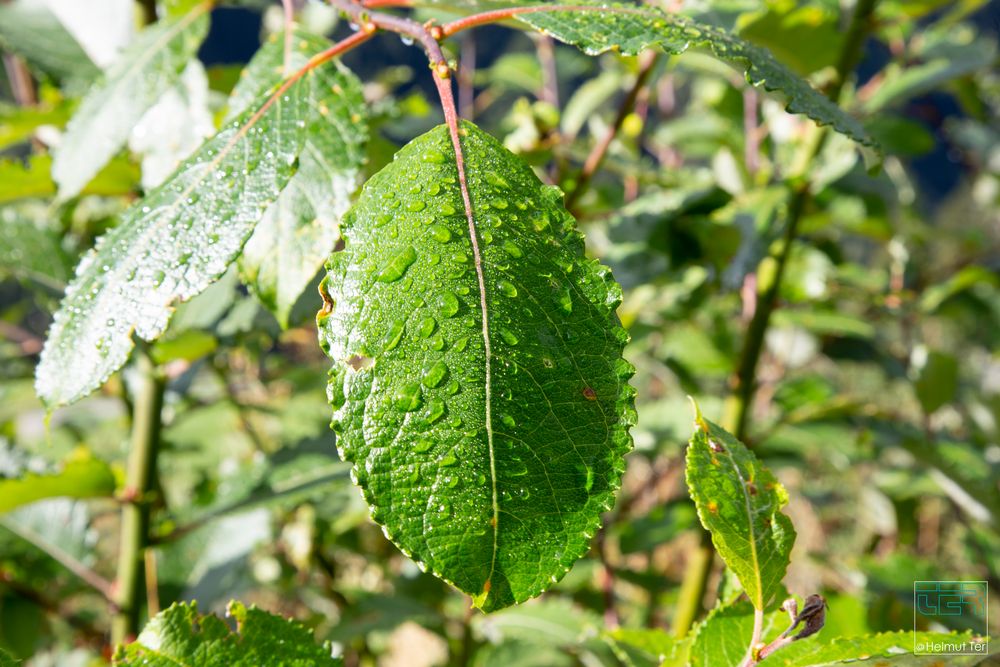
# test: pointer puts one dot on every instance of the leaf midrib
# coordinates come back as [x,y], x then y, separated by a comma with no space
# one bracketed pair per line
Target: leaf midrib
[487,351]
[759,602]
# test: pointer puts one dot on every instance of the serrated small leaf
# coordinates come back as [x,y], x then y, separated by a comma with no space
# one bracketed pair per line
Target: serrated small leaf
[81,476]
[149,67]
[180,635]
[724,636]
[175,242]
[299,230]
[631,29]
[892,649]
[487,429]
[739,501]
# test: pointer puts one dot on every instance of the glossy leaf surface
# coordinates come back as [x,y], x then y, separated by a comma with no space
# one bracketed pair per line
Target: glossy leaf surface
[181,636]
[487,428]
[175,242]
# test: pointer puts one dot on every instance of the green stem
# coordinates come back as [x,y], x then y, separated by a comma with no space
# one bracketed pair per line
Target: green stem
[743,382]
[140,476]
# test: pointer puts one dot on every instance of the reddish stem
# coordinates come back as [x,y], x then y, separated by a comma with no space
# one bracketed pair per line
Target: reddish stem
[496,15]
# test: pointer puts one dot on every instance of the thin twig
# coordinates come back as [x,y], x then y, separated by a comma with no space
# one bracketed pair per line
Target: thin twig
[646,63]
[21,85]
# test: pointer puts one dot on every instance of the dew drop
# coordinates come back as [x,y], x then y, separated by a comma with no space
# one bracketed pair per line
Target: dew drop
[415,205]
[393,335]
[435,374]
[422,445]
[440,233]
[397,266]
[433,157]
[435,410]
[408,397]
[508,336]
[427,326]
[447,304]
[507,288]
[512,249]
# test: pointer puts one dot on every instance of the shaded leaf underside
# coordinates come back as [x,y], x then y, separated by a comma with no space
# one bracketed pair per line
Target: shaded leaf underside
[175,242]
[298,231]
[739,501]
[501,507]
[598,27]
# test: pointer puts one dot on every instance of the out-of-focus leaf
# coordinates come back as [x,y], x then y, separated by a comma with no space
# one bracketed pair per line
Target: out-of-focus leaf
[189,345]
[946,54]
[144,71]
[646,647]
[32,30]
[826,323]
[22,623]
[27,250]
[966,278]
[55,525]
[806,37]
[18,124]
[900,135]
[179,635]
[174,126]
[81,476]
[298,231]
[25,180]
[739,501]
[7,660]
[936,379]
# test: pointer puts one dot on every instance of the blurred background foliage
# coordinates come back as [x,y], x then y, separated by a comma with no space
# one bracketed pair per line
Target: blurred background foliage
[879,389]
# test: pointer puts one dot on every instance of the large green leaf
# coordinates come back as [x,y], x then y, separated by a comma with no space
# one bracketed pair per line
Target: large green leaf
[176,241]
[147,69]
[299,230]
[81,476]
[739,501]
[631,29]
[179,635]
[487,419]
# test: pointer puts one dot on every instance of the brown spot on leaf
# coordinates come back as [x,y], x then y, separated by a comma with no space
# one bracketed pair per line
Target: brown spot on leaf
[751,488]
[713,507]
[589,394]
[359,361]
[715,445]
